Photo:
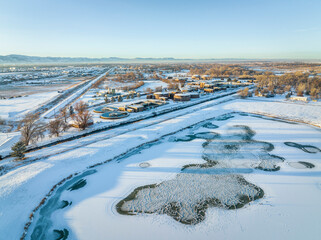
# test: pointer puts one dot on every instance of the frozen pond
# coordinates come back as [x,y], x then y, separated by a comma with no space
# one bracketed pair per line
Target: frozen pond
[232,177]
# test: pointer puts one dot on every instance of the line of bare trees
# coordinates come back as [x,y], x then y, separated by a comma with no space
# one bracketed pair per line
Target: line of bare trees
[32,128]
[133,86]
[301,83]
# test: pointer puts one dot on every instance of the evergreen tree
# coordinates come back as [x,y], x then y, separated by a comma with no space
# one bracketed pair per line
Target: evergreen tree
[18,150]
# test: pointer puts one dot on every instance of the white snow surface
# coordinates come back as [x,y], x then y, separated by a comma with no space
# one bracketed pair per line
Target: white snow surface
[152,84]
[12,109]
[289,209]
[308,113]
[282,214]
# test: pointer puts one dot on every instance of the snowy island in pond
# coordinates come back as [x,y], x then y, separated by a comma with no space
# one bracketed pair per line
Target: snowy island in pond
[187,197]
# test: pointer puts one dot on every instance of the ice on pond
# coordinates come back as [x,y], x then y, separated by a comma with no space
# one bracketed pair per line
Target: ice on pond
[301,165]
[201,135]
[224,117]
[216,183]
[237,148]
[144,165]
[210,125]
[305,148]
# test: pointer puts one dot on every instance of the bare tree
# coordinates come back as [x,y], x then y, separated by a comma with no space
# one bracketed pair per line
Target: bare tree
[287,88]
[300,89]
[159,89]
[64,114]
[83,117]
[81,106]
[2,121]
[243,93]
[31,128]
[57,126]
[314,93]
[149,90]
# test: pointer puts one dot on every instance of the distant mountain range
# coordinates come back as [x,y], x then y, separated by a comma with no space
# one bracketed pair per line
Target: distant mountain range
[23,59]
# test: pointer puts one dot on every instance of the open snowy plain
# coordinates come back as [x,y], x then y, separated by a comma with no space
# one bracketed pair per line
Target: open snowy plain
[213,173]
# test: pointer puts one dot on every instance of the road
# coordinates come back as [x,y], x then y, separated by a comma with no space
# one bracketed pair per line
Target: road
[49,113]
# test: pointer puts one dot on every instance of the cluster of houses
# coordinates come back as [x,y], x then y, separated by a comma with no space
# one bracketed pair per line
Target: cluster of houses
[142,106]
[111,112]
[173,95]
[191,89]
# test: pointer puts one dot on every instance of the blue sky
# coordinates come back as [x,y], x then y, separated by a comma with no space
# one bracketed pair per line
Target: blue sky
[167,28]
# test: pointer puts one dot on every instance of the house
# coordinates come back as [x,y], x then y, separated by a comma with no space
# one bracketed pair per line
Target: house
[114,115]
[182,97]
[122,108]
[76,125]
[208,90]
[161,94]
[205,77]
[136,107]
[194,95]
[150,96]
[196,77]
[163,98]
[298,98]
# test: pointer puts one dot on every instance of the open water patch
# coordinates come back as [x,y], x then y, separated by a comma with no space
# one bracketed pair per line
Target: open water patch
[44,222]
[144,165]
[224,117]
[79,184]
[64,204]
[301,165]
[61,234]
[305,148]
[210,125]
[201,135]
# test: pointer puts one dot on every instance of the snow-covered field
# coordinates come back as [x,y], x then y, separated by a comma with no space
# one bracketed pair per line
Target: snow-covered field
[289,208]
[307,113]
[14,108]
[152,84]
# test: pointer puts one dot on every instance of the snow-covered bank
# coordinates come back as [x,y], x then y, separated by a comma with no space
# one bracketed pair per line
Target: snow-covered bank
[6,141]
[107,124]
[310,114]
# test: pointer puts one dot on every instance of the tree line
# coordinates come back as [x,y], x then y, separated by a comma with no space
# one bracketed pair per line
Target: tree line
[300,82]
[32,128]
